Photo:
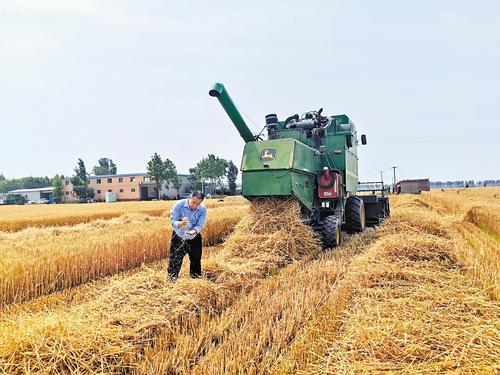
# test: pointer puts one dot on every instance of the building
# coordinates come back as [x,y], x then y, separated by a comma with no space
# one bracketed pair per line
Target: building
[171,193]
[413,186]
[127,187]
[38,195]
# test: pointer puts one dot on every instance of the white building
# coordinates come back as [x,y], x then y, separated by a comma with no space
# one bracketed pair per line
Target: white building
[172,193]
[38,195]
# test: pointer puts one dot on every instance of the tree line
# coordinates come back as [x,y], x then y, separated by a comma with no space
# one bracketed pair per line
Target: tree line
[209,171]
[463,184]
[7,184]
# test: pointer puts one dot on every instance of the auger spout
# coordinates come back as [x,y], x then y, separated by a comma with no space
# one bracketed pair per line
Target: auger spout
[219,91]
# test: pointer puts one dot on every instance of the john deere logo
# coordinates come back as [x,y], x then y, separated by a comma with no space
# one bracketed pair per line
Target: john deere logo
[267,154]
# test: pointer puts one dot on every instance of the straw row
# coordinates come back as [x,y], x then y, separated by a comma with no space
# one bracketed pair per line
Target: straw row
[252,335]
[413,310]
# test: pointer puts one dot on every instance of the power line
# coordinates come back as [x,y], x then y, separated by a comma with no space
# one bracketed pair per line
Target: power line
[257,127]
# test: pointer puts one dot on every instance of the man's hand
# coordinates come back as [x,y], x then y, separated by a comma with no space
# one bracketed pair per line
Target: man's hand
[191,232]
[184,222]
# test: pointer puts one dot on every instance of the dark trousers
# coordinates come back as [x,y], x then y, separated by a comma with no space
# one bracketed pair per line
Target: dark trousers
[178,249]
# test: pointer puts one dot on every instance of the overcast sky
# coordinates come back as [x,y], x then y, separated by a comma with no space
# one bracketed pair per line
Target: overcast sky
[125,79]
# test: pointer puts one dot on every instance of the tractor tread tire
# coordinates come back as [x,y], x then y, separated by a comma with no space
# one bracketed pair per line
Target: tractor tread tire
[331,232]
[353,215]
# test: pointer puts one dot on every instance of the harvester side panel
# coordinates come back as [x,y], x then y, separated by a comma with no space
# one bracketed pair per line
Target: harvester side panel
[303,188]
[280,154]
[266,155]
[280,167]
[266,183]
[280,183]
[344,159]
[305,159]
[351,174]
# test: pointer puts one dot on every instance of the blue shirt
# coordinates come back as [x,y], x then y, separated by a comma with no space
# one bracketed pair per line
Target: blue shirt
[196,218]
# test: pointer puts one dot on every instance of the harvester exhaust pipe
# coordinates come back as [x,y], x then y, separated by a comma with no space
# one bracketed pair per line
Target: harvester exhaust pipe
[219,91]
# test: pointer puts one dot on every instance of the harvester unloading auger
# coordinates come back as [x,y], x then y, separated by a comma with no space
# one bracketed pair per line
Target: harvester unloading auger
[312,158]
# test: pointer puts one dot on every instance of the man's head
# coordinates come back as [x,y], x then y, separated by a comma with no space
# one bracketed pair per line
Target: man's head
[195,199]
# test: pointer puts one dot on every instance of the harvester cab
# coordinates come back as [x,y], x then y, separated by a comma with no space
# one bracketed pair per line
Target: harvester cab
[312,158]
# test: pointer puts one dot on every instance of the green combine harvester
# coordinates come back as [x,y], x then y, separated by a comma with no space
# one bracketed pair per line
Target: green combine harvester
[312,158]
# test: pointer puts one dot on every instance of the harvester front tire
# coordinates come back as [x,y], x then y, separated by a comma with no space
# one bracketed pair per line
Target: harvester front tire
[331,232]
[355,217]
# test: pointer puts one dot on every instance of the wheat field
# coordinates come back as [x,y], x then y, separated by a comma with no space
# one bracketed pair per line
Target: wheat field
[38,261]
[418,294]
[14,218]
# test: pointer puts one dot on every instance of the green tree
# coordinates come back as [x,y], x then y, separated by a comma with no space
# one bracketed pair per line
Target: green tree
[232,174]
[2,177]
[194,180]
[177,184]
[171,173]
[106,166]
[24,183]
[211,168]
[57,190]
[81,184]
[160,171]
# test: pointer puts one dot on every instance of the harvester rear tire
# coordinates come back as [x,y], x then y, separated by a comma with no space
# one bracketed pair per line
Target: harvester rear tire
[355,217]
[331,232]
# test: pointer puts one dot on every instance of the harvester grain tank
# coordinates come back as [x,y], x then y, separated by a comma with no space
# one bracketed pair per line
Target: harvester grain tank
[312,158]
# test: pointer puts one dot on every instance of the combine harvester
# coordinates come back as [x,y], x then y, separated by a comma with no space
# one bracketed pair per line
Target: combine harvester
[312,158]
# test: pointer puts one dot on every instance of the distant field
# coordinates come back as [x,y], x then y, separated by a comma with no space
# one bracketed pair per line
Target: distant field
[14,217]
[418,294]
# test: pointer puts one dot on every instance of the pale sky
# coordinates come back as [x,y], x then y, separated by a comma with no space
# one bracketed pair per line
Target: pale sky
[125,79]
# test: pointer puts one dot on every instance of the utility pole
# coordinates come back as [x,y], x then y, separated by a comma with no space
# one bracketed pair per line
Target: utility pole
[382,179]
[394,179]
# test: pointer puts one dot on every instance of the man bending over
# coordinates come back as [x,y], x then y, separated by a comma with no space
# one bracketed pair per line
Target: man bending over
[188,219]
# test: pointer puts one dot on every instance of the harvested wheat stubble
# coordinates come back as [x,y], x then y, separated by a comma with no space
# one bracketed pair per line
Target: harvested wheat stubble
[111,331]
[253,336]
[275,329]
[480,255]
[486,218]
[413,308]
[459,201]
[475,215]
